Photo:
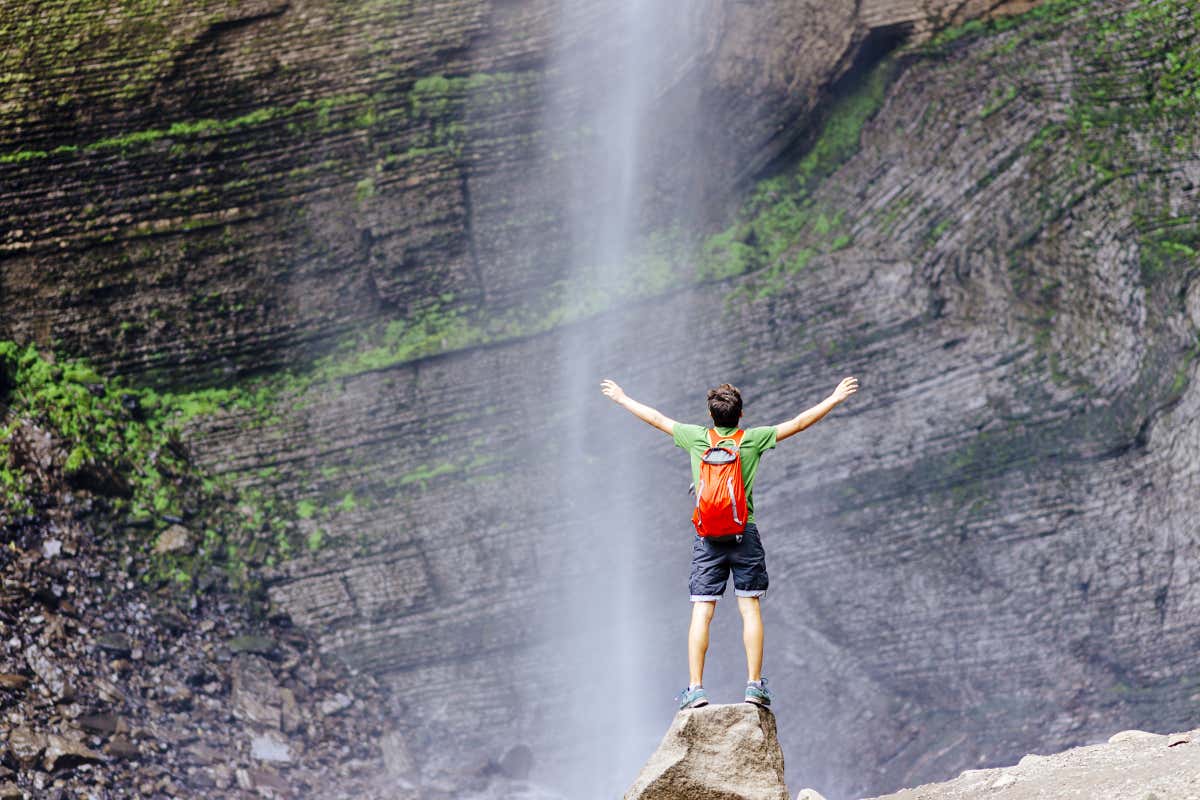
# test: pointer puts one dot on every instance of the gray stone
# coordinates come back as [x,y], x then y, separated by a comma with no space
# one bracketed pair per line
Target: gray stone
[47,669]
[26,745]
[267,747]
[1133,736]
[174,540]
[517,762]
[105,723]
[115,643]
[256,694]
[62,753]
[718,752]
[335,704]
[13,683]
[1005,780]
[1136,768]
[262,645]
[120,746]
[206,754]
[268,782]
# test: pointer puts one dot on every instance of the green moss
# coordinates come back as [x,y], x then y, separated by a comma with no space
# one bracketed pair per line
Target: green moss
[364,190]
[938,231]
[135,39]
[305,115]
[348,502]
[780,218]
[999,103]
[1054,12]
[315,539]
[126,444]
[1179,382]
[1168,246]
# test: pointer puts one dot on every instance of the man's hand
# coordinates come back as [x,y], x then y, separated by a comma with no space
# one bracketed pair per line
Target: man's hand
[847,387]
[645,413]
[611,390]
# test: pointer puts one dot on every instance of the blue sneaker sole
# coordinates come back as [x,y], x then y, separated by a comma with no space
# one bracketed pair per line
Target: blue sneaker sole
[696,704]
[759,701]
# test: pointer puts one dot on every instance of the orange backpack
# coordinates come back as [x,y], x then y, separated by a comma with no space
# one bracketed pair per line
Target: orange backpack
[720,494]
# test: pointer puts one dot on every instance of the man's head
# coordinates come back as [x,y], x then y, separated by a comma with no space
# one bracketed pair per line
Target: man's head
[725,405]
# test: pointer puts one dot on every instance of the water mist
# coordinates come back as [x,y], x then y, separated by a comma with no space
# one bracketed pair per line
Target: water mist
[610,67]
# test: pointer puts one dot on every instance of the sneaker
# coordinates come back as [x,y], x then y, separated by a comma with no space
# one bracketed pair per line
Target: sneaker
[758,693]
[692,698]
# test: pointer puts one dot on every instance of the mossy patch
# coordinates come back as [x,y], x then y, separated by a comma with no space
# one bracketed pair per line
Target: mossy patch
[780,228]
[65,427]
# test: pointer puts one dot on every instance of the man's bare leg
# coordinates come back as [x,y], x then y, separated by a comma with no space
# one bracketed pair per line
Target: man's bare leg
[702,614]
[752,635]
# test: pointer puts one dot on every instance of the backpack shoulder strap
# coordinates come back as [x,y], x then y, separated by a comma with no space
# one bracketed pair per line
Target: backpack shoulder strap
[736,436]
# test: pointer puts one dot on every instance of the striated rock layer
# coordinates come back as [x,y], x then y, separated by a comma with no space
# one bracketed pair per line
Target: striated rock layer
[221,187]
[990,550]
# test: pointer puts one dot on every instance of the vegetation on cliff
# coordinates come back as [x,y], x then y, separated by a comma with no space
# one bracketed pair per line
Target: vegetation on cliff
[65,430]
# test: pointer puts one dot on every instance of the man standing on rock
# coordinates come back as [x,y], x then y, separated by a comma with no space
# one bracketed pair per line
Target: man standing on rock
[713,557]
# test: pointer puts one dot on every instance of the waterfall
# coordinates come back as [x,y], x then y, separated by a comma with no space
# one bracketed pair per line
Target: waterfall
[612,64]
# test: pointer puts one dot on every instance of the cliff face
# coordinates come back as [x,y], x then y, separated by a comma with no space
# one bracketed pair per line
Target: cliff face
[331,207]
[200,189]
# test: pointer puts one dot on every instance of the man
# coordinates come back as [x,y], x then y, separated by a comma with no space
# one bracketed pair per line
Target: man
[713,559]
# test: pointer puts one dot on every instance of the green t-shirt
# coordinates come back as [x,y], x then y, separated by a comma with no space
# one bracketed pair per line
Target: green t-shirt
[756,441]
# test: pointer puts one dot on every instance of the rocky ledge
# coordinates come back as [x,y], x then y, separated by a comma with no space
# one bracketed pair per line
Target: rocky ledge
[1132,765]
[731,752]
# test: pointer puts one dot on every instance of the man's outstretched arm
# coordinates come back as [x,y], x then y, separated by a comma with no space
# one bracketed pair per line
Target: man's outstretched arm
[643,412]
[847,387]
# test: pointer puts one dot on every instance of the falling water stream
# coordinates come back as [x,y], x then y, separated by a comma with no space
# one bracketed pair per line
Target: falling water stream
[611,64]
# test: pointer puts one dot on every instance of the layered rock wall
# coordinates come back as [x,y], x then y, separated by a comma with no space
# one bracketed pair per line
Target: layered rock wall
[987,552]
[224,187]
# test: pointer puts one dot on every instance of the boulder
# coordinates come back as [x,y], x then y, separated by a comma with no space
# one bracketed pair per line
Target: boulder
[718,752]
[175,539]
[48,670]
[261,645]
[256,693]
[25,746]
[13,683]
[62,753]
[115,643]
[267,747]
[1139,767]
[1133,736]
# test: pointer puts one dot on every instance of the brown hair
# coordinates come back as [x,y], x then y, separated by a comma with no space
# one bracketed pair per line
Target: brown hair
[725,405]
